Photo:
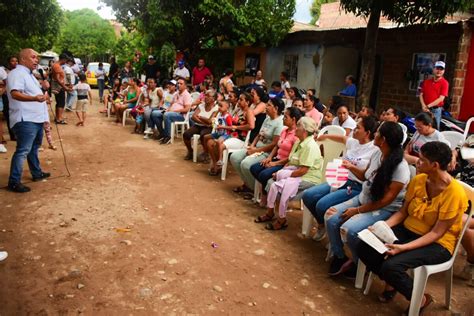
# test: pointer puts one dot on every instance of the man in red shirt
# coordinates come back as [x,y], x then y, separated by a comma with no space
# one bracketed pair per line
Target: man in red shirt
[200,72]
[433,92]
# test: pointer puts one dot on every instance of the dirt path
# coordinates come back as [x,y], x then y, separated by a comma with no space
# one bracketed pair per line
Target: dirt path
[67,256]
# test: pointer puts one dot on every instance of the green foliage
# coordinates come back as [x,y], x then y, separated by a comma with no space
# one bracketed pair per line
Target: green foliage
[190,24]
[85,33]
[28,23]
[315,9]
[408,12]
[127,44]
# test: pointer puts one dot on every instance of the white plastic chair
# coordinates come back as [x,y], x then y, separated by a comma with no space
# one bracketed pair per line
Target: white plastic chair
[405,132]
[195,96]
[179,127]
[125,114]
[455,139]
[421,274]
[227,152]
[466,152]
[195,145]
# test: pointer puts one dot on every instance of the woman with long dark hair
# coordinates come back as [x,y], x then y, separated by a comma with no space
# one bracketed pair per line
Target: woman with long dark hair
[383,190]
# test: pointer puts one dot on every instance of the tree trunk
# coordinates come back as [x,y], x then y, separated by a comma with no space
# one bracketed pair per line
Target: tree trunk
[368,59]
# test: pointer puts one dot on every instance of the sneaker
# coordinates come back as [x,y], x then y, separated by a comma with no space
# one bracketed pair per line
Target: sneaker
[148,130]
[220,163]
[189,156]
[160,137]
[43,176]
[146,136]
[3,255]
[3,149]
[18,188]
[339,265]
[320,234]
[165,140]
[468,273]
[351,271]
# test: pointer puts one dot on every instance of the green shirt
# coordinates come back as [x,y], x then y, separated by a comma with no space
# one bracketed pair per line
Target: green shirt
[307,153]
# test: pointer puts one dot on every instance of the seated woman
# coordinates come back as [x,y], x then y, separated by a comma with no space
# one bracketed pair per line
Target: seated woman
[132,93]
[243,123]
[260,148]
[303,170]
[260,99]
[328,117]
[263,170]
[393,115]
[427,225]
[114,94]
[359,149]
[344,120]
[383,189]
[425,132]
[298,103]
[311,111]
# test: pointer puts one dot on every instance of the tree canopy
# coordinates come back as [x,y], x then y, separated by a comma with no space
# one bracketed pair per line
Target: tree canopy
[28,23]
[85,33]
[188,24]
[401,12]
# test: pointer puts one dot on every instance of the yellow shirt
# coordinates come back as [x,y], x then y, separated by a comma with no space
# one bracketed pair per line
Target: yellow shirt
[423,214]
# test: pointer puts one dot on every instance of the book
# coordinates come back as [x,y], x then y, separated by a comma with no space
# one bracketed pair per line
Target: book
[379,235]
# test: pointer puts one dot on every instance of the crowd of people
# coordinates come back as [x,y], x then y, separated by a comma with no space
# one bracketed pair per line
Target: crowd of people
[273,133]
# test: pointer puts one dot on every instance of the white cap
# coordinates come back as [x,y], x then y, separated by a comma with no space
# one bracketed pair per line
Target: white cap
[441,64]
[3,74]
[173,82]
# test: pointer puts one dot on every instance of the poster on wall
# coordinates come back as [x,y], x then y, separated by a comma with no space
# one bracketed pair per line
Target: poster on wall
[422,68]
[252,64]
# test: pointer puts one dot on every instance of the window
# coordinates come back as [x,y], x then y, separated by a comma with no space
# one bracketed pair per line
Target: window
[290,64]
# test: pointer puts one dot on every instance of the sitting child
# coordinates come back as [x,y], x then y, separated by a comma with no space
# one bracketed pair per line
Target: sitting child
[327,118]
[140,110]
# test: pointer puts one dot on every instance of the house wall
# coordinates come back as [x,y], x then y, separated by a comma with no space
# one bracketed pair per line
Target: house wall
[308,74]
[239,62]
[397,46]
[336,63]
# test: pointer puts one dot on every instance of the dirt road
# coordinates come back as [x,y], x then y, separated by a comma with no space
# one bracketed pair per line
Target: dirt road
[131,232]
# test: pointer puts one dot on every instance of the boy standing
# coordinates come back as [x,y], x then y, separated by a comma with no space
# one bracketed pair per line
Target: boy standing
[84,99]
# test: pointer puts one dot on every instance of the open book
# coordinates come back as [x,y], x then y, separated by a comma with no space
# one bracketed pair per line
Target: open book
[380,235]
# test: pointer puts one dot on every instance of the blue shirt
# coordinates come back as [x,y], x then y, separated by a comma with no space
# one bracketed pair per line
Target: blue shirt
[23,80]
[349,91]
[273,94]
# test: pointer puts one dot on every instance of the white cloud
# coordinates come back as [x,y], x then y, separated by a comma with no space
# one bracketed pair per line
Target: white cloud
[302,11]
[103,10]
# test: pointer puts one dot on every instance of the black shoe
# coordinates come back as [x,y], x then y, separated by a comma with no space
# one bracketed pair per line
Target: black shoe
[160,137]
[351,272]
[338,266]
[43,176]
[165,140]
[18,188]
[189,156]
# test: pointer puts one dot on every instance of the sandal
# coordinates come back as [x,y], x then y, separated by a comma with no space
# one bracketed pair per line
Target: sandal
[247,196]
[276,225]
[213,173]
[264,218]
[240,189]
[387,296]
[428,301]
[62,122]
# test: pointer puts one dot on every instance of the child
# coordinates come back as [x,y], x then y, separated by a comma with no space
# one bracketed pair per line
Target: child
[327,118]
[49,137]
[140,110]
[84,99]
[218,135]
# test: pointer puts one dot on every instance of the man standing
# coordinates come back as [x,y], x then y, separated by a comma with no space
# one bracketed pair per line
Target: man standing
[59,88]
[151,69]
[181,71]
[200,72]
[70,80]
[179,108]
[433,92]
[113,70]
[28,112]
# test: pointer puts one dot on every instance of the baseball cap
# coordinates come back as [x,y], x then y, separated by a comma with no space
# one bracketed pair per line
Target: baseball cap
[151,57]
[181,63]
[440,64]
[173,82]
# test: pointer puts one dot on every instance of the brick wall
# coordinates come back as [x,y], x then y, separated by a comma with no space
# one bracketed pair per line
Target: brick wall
[397,46]
[460,69]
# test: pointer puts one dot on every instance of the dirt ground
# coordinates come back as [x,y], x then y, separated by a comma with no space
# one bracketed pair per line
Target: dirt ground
[131,231]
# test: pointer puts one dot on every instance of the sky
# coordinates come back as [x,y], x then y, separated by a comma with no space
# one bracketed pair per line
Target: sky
[301,15]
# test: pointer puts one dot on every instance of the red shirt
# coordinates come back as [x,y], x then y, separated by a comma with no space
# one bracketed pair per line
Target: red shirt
[434,89]
[200,74]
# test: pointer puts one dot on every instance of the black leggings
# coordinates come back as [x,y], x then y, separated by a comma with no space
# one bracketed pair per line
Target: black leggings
[393,269]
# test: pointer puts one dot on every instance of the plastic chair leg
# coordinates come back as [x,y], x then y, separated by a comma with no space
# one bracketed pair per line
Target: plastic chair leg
[257,192]
[307,221]
[370,279]
[124,117]
[419,285]
[449,287]
[195,146]
[173,127]
[225,157]
[359,281]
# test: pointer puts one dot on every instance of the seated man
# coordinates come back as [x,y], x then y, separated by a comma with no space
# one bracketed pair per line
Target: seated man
[155,94]
[176,113]
[350,90]
[276,91]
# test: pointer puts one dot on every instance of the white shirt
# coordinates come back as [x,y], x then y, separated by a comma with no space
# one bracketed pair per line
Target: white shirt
[285,85]
[348,123]
[3,73]
[359,155]
[100,73]
[181,72]
[69,73]
[23,80]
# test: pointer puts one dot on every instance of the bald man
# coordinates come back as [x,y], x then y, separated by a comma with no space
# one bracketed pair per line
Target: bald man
[28,112]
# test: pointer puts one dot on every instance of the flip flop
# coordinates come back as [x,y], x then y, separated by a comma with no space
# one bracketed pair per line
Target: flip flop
[428,301]
[264,218]
[271,226]
[240,189]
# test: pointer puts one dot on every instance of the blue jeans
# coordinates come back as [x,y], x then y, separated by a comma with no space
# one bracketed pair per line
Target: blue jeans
[101,86]
[71,98]
[319,198]
[171,117]
[437,112]
[29,136]
[355,224]
[156,119]
[263,174]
